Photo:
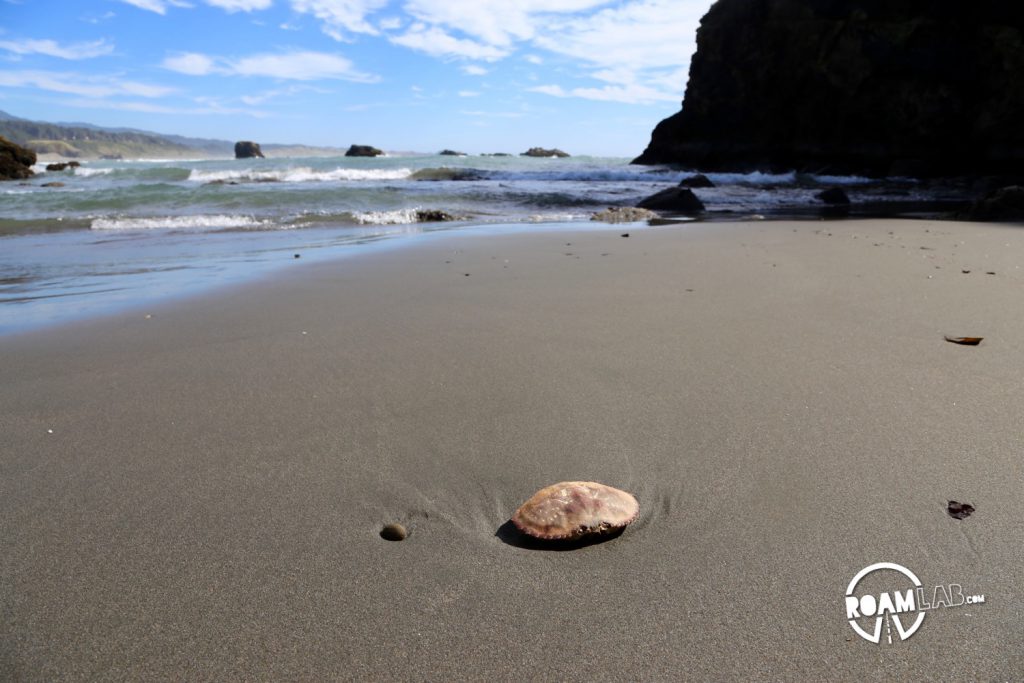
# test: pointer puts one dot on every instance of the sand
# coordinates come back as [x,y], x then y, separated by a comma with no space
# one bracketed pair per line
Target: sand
[198,494]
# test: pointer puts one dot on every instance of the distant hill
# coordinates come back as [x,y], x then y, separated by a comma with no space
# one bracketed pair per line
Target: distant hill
[85,140]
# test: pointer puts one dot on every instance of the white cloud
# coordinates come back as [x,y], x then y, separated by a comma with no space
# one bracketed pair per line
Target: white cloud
[628,94]
[96,48]
[640,50]
[293,66]
[240,5]
[495,22]
[158,6]
[391,23]
[437,43]
[639,35]
[300,66]
[553,90]
[191,63]
[253,100]
[468,93]
[341,16]
[81,84]
[474,70]
[634,48]
[96,19]
[205,108]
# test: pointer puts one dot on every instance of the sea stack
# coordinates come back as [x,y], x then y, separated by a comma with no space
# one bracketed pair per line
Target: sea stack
[872,87]
[246,149]
[544,153]
[363,151]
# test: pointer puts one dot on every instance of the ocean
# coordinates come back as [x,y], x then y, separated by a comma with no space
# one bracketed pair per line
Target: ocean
[128,233]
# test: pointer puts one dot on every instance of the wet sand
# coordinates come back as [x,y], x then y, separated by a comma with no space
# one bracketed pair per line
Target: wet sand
[198,494]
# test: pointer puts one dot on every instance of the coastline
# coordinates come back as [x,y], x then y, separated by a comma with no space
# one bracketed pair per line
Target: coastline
[778,395]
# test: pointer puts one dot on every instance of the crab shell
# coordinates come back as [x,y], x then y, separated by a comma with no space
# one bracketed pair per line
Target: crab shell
[573,509]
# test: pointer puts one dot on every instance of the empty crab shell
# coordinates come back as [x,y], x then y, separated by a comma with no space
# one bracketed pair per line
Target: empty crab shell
[574,509]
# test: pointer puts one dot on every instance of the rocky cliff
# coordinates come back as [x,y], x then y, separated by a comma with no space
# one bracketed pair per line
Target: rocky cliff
[15,161]
[878,87]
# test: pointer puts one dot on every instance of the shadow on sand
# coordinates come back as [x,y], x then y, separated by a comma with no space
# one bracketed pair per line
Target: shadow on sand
[510,534]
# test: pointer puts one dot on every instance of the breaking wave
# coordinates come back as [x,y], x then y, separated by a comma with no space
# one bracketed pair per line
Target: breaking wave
[297,175]
[207,222]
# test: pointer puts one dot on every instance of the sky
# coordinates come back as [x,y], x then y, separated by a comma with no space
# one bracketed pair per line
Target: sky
[587,76]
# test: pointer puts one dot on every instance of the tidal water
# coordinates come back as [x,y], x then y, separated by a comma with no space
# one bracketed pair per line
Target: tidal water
[125,233]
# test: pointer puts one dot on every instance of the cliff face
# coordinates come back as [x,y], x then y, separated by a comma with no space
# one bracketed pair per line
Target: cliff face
[916,87]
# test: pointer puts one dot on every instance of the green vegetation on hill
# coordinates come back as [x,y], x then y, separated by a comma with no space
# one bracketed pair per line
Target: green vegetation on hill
[67,141]
[83,140]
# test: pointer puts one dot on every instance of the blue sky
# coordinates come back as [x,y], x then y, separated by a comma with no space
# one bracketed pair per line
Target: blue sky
[588,76]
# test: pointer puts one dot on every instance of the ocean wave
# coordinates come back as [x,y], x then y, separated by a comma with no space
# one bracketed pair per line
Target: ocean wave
[202,222]
[86,172]
[402,216]
[297,175]
[446,173]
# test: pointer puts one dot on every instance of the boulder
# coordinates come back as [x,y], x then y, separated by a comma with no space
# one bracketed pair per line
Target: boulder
[451,153]
[247,149]
[1004,204]
[542,152]
[699,180]
[434,216]
[363,151]
[15,161]
[674,200]
[866,87]
[60,166]
[834,196]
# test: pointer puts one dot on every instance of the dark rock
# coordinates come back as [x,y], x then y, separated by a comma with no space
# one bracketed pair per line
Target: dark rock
[1004,204]
[542,152]
[363,151]
[434,216]
[675,200]
[60,166]
[699,180]
[15,161]
[247,150]
[451,153]
[921,87]
[959,510]
[52,184]
[834,196]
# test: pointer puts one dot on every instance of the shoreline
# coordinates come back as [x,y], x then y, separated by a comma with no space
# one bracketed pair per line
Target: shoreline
[198,494]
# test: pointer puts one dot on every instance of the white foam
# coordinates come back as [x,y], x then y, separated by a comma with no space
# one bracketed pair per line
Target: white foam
[396,217]
[204,222]
[302,174]
[86,172]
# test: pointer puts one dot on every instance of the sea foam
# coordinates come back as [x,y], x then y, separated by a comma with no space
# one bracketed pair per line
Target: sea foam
[298,175]
[203,222]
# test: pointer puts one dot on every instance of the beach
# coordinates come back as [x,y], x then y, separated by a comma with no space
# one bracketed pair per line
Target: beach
[194,489]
